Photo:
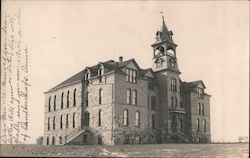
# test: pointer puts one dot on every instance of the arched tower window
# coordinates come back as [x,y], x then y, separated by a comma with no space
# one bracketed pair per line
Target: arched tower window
[62,100]
[171,51]
[74,98]
[55,103]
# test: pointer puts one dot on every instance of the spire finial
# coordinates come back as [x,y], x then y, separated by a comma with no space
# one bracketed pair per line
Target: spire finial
[162,14]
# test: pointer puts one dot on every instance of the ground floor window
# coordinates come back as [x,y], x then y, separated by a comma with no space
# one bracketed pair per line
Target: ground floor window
[126,139]
[85,138]
[99,139]
[137,140]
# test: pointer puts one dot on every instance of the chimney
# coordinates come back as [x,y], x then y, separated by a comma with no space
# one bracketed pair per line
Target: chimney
[120,59]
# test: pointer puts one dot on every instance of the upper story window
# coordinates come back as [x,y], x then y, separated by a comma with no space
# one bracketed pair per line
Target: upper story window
[100,95]
[200,92]
[68,99]
[176,102]
[137,118]
[87,75]
[134,97]
[173,84]
[153,103]
[87,98]
[131,75]
[172,101]
[128,96]
[181,104]
[199,108]
[55,103]
[74,98]
[125,117]
[100,72]
[54,123]
[150,84]
[62,100]
[48,123]
[202,109]
[49,108]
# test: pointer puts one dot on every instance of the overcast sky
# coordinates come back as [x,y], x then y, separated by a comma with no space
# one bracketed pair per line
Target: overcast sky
[212,37]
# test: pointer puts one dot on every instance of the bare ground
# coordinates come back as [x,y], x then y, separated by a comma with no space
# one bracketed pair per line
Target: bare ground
[230,150]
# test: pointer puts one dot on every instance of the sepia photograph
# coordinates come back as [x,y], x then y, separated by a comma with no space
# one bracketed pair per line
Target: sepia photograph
[124,78]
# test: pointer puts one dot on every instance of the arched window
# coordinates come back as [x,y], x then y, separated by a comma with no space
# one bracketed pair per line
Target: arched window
[100,118]
[68,99]
[47,140]
[198,124]
[87,98]
[55,103]
[181,124]
[128,96]
[62,100]
[153,121]
[67,121]
[173,84]
[74,98]
[172,101]
[199,108]
[87,119]
[54,123]
[61,122]
[171,51]
[48,123]
[53,140]
[49,104]
[74,119]
[60,139]
[100,96]
[202,108]
[137,118]
[125,117]
[204,125]
[134,100]
[100,72]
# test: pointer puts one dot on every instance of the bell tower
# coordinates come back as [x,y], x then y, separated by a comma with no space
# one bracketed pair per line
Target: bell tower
[164,50]
[165,67]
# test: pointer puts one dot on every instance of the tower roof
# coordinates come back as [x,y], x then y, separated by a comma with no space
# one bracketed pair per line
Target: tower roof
[164,34]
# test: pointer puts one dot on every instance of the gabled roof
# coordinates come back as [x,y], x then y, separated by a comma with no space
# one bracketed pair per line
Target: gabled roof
[109,65]
[189,86]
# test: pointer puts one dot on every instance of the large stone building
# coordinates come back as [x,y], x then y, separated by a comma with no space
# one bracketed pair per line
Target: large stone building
[117,102]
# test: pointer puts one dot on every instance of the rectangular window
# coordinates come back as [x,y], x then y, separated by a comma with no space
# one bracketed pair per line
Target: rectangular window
[181,104]
[131,76]
[125,118]
[198,124]
[137,118]
[134,98]
[153,121]
[173,84]
[172,101]
[200,92]
[176,101]
[202,108]
[100,118]
[128,96]
[48,124]
[153,103]
[148,101]
[199,108]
